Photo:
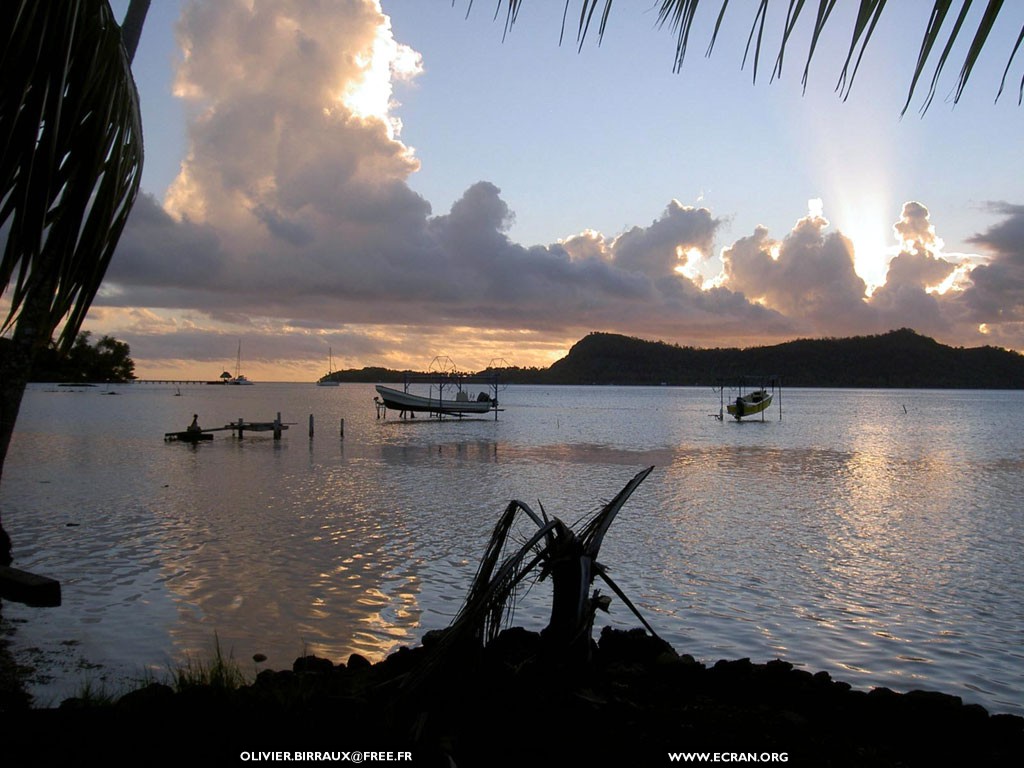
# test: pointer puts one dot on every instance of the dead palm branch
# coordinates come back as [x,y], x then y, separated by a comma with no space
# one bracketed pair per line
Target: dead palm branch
[679,16]
[70,165]
[554,550]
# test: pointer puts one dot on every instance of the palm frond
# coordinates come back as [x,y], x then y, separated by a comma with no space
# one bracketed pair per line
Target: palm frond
[867,18]
[988,20]
[931,34]
[490,597]
[490,601]
[718,26]
[592,535]
[757,26]
[824,11]
[679,15]
[553,549]
[603,573]
[1013,54]
[792,14]
[504,566]
[72,155]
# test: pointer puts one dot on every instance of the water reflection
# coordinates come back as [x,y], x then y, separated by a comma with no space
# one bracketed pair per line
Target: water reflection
[852,536]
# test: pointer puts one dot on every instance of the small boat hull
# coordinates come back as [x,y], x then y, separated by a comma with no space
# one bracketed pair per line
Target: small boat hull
[187,436]
[397,400]
[749,404]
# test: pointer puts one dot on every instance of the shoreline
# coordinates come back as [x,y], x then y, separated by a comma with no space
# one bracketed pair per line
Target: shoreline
[13,694]
[508,703]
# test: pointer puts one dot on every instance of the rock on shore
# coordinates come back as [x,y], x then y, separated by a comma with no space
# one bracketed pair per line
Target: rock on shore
[636,701]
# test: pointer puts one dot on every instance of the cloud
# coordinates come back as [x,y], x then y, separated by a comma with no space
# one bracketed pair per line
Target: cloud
[808,276]
[996,295]
[654,250]
[292,222]
[909,298]
[914,229]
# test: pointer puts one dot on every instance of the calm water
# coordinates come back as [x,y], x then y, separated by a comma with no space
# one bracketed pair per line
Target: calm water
[876,535]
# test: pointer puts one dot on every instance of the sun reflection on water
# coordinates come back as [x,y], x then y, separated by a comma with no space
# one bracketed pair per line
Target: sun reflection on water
[872,534]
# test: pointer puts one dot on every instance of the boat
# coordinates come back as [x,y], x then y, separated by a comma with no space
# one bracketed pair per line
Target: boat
[749,404]
[188,436]
[461,405]
[327,381]
[238,378]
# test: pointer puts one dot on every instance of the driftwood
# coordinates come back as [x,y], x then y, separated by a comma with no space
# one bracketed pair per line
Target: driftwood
[28,588]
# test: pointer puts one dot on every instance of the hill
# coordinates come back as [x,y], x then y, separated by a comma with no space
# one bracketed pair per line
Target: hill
[901,358]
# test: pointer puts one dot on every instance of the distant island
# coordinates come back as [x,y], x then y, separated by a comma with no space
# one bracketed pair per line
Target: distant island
[898,359]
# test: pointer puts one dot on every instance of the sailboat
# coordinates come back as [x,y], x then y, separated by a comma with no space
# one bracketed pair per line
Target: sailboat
[238,378]
[327,381]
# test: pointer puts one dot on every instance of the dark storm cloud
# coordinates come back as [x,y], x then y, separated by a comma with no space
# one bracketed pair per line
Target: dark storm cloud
[997,290]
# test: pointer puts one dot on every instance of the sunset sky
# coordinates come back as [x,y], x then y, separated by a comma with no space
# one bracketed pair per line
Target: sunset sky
[393,181]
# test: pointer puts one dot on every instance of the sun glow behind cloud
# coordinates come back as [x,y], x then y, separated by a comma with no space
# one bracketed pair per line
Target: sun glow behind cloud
[858,195]
[958,280]
[690,264]
[298,232]
[866,226]
[369,95]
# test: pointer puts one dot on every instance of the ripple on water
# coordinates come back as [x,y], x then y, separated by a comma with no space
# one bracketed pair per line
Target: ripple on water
[879,545]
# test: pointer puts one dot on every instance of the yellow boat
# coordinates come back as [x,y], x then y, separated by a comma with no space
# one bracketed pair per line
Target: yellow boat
[749,404]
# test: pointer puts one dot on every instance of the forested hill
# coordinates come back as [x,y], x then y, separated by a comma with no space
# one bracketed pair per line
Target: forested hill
[900,358]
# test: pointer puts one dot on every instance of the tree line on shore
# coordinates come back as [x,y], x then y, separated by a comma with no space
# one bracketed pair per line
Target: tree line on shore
[107,360]
[898,359]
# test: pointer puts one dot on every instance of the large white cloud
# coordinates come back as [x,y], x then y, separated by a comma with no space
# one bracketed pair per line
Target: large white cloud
[292,216]
[808,276]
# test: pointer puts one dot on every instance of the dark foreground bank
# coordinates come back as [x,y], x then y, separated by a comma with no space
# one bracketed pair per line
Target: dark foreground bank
[637,703]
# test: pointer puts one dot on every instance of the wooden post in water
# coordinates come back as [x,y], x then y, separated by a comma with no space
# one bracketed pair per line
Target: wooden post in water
[277,426]
[342,429]
[311,426]
[241,421]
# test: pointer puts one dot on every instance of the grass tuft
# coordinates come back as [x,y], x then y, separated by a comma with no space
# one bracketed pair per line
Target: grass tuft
[222,673]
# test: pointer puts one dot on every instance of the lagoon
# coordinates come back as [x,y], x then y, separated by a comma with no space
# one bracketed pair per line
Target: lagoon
[873,534]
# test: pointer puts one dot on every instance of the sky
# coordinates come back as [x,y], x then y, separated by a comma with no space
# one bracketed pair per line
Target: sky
[394,183]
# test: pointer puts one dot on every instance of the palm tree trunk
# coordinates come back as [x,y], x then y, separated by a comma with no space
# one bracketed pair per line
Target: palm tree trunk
[31,333]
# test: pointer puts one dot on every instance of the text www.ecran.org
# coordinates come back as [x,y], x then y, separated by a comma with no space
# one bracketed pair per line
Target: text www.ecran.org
[728,757]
